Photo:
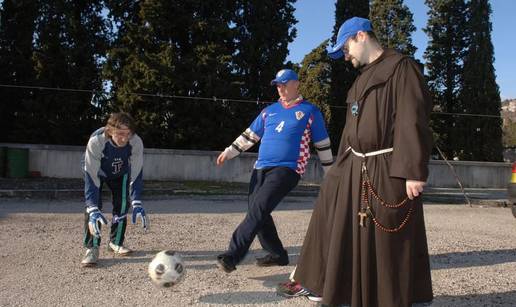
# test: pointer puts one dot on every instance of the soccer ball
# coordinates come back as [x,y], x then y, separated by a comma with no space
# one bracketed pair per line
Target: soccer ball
[166,269]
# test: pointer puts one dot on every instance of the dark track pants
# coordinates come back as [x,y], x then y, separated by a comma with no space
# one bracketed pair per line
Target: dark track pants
[267,188]
[120,198]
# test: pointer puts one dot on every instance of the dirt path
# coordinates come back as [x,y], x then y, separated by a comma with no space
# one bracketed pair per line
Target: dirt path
[473,255]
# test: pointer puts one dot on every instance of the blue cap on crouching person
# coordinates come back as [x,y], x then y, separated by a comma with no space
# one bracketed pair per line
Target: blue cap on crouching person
[348,29]
[283,76]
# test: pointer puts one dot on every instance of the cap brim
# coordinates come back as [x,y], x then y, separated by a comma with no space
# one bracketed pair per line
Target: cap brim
[335,54]
[336,51]
[274,81]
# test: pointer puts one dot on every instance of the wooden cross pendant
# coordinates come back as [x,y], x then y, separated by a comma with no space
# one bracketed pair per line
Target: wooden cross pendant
[362,215]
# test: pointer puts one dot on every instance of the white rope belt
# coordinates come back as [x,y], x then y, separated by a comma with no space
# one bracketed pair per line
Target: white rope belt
[370,154]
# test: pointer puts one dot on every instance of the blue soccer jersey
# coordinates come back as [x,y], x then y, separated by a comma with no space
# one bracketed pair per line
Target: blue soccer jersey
[285,132]
[104,160]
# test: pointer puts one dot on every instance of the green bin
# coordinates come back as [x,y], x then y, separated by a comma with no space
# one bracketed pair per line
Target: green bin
[17,164]
[2,161]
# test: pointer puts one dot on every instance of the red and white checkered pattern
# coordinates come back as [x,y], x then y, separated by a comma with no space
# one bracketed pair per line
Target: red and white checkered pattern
[304,148]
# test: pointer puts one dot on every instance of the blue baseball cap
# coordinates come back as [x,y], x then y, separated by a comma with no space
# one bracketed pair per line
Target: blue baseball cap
[349,28]
[283,76]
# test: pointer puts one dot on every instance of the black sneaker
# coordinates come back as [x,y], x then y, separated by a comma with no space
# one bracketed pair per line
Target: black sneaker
[270,260]
[225,263]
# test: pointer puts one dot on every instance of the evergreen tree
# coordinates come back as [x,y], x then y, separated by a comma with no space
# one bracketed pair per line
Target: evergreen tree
[208,49]
[16,34]
[393,24]
[264,28]
[314,74]
[187,55]
[342,73]
[70,41]
[481,137]
[444,56]
[140,60]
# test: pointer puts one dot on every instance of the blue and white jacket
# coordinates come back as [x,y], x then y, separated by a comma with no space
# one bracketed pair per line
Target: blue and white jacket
[104,160]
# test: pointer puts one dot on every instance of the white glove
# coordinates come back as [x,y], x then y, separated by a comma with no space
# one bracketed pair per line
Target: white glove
[139,211]
[95,219]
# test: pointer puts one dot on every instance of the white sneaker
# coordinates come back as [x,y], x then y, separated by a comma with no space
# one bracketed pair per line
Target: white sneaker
[92,255]
[119,249]
[314,298]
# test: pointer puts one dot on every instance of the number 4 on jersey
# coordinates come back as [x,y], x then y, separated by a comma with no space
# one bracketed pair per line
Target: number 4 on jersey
[280,126]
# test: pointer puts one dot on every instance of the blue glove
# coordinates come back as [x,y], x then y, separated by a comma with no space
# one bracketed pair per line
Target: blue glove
[95,219]
[139,211]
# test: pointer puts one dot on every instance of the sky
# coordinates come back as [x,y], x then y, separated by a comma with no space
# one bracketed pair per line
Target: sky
[316,20]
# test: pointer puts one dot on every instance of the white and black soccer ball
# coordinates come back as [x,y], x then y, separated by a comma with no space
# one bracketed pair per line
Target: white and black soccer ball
[166,269]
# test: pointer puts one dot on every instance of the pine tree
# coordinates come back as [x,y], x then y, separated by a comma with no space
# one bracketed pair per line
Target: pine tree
[187,55]
[208,49]
[263,31]
[69,45]
[342,73]
[481,137]
[393,24]
[314,73]
[140,60]
[444,57]
[16,35]
[264,28]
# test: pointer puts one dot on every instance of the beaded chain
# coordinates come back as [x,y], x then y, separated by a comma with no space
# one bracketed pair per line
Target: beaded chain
[367,187]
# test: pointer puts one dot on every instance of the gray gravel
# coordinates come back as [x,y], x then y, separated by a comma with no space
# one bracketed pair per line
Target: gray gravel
[473,255]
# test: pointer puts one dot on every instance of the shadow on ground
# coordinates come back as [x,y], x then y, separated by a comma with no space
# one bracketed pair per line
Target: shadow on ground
[490,299]
[272,281]
[179,205]
[241,298]
[264,297]
[437,262]
[107,258]
[472,259]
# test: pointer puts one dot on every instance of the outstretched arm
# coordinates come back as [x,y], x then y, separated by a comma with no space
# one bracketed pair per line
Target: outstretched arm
[242,143]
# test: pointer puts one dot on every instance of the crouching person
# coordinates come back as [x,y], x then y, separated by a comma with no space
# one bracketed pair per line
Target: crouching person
[114,157]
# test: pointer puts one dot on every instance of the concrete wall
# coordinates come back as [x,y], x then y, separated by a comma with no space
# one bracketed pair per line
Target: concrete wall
[168,164]
[472,174]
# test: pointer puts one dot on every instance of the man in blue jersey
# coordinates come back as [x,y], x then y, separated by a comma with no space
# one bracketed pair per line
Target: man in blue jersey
[114,156]
[285,130]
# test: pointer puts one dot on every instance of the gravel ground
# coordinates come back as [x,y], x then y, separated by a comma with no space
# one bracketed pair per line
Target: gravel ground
[473,255]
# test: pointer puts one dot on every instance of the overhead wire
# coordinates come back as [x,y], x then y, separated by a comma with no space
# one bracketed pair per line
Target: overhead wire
[215,99]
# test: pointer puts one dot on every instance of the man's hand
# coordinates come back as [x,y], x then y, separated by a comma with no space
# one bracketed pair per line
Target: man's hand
[414,188]
[221,158]
[95,219]
[139,211]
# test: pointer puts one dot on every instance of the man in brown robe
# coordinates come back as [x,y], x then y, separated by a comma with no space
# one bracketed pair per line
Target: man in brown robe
[366,242]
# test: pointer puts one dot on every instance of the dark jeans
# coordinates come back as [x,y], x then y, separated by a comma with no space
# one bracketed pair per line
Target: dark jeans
[120,197]
[267,188]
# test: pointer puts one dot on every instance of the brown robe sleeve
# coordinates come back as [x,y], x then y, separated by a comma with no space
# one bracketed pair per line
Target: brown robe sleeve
[412,135]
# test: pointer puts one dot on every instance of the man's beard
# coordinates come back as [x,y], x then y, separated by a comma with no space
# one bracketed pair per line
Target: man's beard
[356,63]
